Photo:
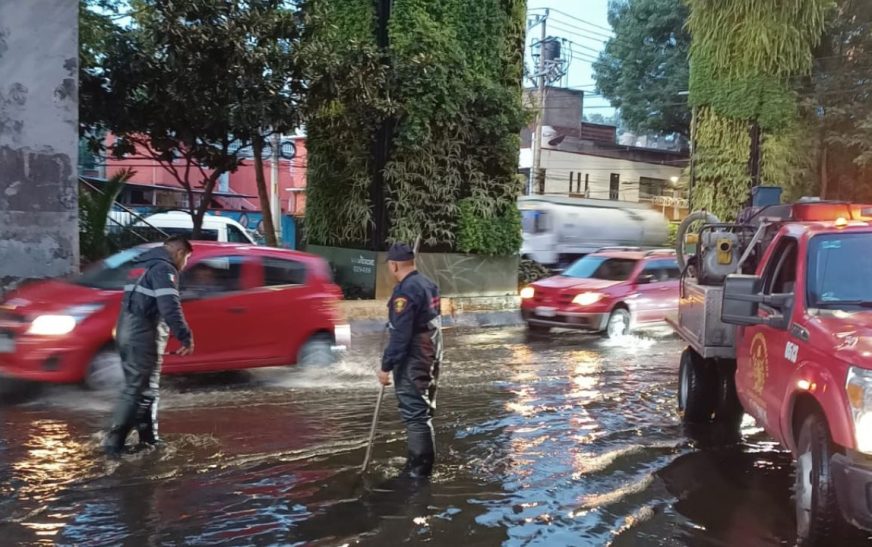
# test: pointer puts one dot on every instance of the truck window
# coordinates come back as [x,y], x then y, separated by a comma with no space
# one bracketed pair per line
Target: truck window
[235,235]
[780,274]
[534,222]
[839,269]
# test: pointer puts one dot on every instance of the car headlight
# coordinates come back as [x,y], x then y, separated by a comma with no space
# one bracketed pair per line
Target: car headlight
[586,298]
[528,292]
[859,389]
[62,323]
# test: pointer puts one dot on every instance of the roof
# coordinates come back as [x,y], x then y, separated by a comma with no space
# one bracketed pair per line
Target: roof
[214,247]
[635,255]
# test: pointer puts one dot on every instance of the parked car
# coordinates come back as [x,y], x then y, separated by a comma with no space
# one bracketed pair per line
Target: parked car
[248,306]
[611,291]
[172,223]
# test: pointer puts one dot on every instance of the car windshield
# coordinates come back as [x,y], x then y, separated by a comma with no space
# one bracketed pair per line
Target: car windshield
[112,273]
[601,267]
[839,270]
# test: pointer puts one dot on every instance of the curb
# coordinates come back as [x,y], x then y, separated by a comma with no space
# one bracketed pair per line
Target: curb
[505,318]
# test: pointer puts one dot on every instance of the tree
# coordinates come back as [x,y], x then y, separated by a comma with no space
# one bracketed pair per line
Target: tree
[94,208]
[190,84]
[644,67]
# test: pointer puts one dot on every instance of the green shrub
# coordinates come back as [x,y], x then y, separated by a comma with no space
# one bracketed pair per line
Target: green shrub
[491,235]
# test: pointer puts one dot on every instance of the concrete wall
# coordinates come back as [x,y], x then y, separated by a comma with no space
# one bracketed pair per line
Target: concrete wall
[38,138]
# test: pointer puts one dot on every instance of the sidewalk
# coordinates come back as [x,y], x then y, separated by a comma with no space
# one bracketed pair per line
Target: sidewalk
[370,316]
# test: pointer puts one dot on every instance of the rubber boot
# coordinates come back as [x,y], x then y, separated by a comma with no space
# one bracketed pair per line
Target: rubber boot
[113,444]
[421,455]
[146,425]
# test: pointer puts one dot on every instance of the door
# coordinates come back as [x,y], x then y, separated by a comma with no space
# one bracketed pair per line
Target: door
[615,186]
[656,290]
[283,303]
[763,371]
[216,301]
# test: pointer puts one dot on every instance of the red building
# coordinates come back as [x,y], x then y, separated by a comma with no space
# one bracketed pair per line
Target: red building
[154,185]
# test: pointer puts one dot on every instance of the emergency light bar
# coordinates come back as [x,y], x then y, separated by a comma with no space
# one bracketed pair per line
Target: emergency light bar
[823,211]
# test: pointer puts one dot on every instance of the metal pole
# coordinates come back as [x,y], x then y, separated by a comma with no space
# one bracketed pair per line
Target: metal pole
[540,113]
[692,182]
[274,201]
[368,457]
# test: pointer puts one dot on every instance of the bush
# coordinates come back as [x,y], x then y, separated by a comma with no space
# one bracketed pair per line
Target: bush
[497,235]
[530,271]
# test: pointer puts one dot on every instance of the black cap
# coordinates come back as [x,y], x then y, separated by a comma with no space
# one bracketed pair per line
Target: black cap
[400,252]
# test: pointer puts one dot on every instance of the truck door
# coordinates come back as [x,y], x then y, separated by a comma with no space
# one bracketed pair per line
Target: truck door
[763,370]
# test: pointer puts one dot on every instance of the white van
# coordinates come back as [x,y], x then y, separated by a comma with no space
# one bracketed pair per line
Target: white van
[215,228]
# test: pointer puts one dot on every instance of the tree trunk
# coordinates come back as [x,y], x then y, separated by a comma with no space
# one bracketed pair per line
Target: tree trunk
[262,194]
[205,200]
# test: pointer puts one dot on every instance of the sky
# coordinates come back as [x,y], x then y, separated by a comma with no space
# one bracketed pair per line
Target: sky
[584,23]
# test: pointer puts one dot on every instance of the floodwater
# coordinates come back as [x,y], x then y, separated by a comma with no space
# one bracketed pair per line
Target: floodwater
[560,440]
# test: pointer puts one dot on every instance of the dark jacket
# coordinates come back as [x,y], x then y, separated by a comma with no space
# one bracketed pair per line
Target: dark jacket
[155,295]
[413,310]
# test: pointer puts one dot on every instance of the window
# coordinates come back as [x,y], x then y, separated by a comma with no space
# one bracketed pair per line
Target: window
[214,275]
[280,271]
[650,187]
[115,272]
[839,269]
[662,270]
[615,186]
[780,275]
[235,235]
[601,267]
[534,222]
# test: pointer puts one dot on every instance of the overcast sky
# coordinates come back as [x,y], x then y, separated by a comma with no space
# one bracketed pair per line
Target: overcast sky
[584,23]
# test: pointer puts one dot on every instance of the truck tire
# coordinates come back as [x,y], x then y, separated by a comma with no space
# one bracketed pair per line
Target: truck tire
[728,411]
[697,388]
[817,510]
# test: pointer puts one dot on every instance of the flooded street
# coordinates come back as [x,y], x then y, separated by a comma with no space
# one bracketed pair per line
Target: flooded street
[563,440]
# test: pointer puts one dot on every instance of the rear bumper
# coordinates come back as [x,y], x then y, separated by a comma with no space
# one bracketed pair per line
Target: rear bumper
[853,481]
[593,322]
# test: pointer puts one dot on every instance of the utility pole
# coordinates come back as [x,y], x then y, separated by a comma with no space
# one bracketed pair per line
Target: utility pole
[535,170]
[274,201]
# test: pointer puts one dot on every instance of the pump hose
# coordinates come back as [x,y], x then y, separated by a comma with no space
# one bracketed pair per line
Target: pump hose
[684,227]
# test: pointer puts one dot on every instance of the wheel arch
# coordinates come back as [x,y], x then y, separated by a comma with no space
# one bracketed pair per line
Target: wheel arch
[812,389]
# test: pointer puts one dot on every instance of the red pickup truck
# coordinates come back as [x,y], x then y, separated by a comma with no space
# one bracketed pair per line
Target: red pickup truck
[790,342]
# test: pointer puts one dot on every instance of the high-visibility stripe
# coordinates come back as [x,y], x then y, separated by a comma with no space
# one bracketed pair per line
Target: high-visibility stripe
[151,293]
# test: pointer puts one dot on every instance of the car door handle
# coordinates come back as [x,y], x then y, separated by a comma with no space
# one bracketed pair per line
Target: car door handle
[236,310]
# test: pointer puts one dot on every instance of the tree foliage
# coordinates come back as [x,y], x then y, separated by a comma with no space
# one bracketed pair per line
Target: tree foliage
[644,67]
[188,84]
[745,58]
[94,208]
[450,88]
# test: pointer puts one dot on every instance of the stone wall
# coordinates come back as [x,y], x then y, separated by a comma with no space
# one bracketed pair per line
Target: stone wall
[38,139]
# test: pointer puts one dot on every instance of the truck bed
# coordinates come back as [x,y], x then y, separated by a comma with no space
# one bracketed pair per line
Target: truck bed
[699,321]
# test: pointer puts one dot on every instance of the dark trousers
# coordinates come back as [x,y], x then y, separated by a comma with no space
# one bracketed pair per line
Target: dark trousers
[141,344]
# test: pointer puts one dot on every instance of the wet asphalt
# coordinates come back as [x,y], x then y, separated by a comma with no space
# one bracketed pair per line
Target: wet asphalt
[566,439]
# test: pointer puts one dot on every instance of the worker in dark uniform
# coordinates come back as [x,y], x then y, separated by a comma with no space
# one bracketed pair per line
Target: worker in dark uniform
[150,310]
[413,355]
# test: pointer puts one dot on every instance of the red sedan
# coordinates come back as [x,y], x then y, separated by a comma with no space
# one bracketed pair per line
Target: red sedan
[248,306]
[610,291]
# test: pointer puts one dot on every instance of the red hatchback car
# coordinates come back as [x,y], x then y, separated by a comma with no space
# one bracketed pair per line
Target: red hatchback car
[248,306]
[610,291]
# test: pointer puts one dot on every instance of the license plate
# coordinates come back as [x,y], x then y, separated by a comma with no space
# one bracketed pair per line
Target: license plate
[546,312]
[7,344]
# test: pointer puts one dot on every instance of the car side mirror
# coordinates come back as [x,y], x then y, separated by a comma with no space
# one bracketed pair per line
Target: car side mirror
[742,299]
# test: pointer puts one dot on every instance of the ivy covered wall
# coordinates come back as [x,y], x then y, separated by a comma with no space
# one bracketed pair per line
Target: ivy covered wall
[746,56]
[449,85]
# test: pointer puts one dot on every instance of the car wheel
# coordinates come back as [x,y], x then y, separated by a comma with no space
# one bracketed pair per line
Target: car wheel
[619,324]
[104,371]
[696,388]
[817,510]
[318,350]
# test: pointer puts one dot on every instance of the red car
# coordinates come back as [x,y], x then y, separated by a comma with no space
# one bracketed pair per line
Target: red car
[248,306]
[610,291]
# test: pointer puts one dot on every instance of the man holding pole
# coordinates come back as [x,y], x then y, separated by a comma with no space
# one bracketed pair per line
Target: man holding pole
[413,355]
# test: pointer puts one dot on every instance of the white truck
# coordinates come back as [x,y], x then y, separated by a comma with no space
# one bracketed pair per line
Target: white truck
[557,230]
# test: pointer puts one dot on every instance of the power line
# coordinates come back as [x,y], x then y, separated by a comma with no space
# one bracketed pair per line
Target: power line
[576,32]
[594,25]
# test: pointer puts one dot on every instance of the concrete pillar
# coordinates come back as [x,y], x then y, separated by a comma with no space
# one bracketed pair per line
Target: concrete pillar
[39,131]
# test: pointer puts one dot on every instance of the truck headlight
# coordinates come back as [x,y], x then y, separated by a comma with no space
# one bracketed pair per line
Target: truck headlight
[859,389]
[528,292]
[587,298]
[62,323]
